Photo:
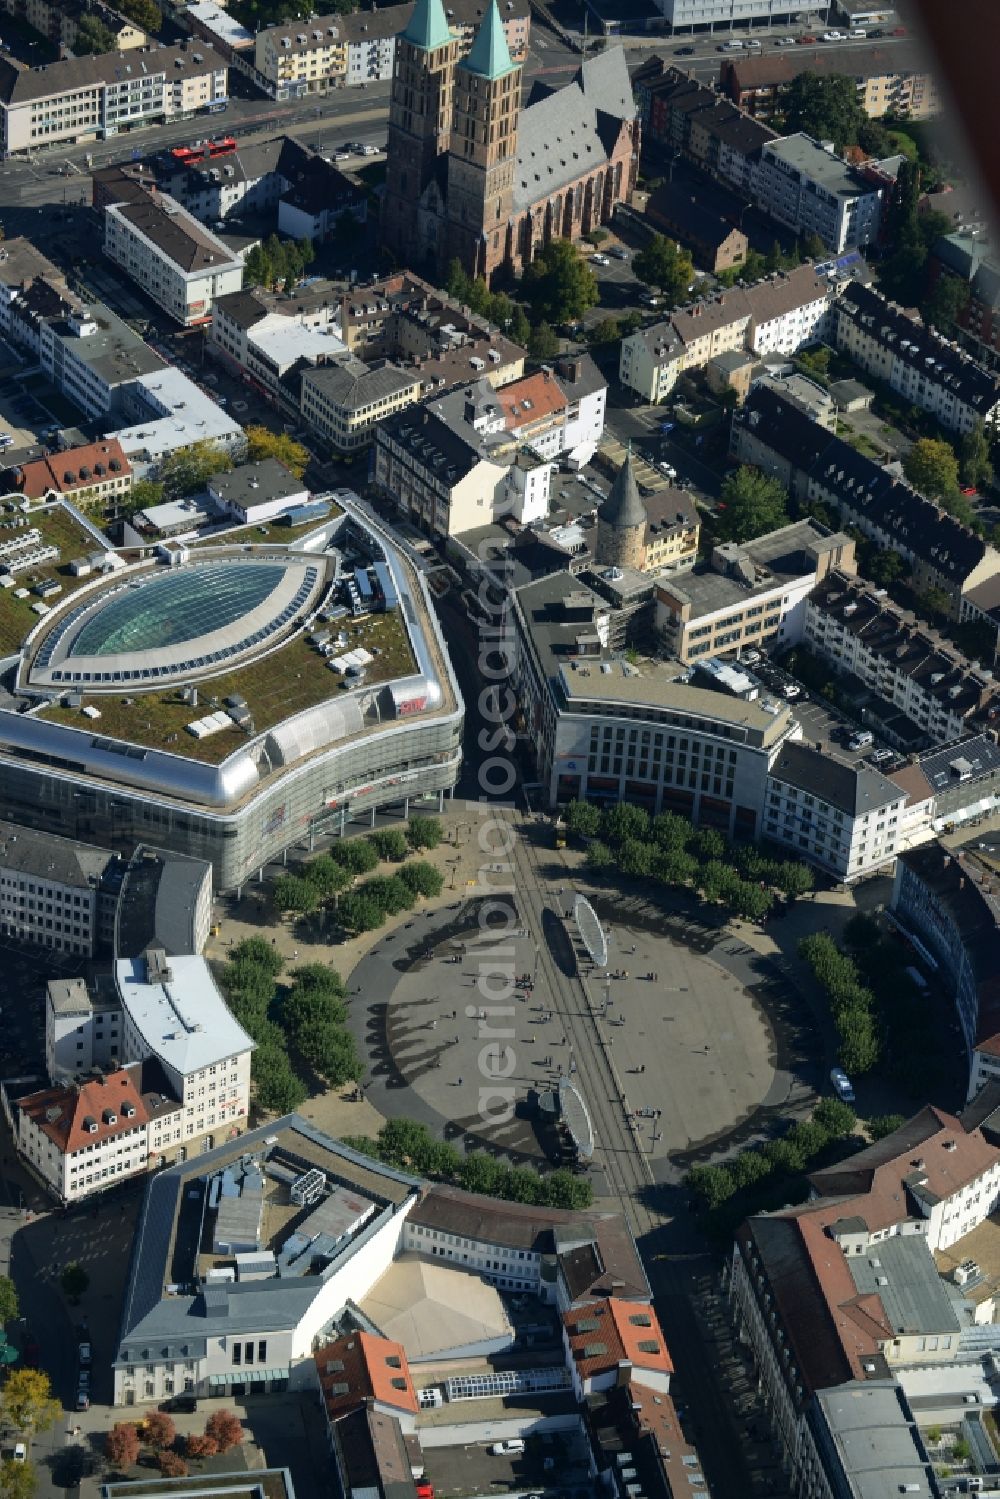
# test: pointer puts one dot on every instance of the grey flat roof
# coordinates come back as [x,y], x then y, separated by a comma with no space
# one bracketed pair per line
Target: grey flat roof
[809,157]
[875,1439]
[115,352]
[901,1272]
[24,851]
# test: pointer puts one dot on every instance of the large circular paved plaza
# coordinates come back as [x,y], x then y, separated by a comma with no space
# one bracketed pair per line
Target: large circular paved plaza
[704,1052]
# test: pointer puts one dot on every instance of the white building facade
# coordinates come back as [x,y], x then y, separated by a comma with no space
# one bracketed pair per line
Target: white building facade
[846,819]
[175,260]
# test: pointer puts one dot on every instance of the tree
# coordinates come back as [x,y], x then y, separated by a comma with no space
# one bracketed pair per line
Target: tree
[932,468]
[359,913]
[74,1281]
[200,1444]
[92,37]
[144,13]
[543,343]
[859,1042]
[121,1445]
[624,821]
[945,303]
[974,457]
[263,443]
[837,1118]
[933,603]
[583,819]
[824,107]
[885,567]
[159,1431]
[607,331]
[713,1184]
[356,855]
[391,893]
[794,879]
[259,952]
[635,858]
[172,1465]
[326,875]
[424,832]
[26,1400]
[9,1303]
[663,264]
[813,247]
[390,844]
[885,1124]
[561,1189]
[18,1480]
[292,893]
[188,470]
[961,1451]
[559,284]
[226,1430]
[873,138]
[754,504]
[422,878]
[276,1087]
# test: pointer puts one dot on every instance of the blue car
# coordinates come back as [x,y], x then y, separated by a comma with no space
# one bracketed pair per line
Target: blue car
[667,426]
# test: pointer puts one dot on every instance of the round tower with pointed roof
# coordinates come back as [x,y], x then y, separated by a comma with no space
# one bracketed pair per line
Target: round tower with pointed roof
[420,109]
[621,522]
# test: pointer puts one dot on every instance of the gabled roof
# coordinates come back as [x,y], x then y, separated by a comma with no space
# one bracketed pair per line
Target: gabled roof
[361,1366]
[428,26]
[851,789]
[565,133]
[623,508]
[91,1114]
[602,1335]
[489,55]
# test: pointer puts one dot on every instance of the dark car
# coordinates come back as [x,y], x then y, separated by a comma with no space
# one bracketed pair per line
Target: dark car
[684,52]
[180,1403]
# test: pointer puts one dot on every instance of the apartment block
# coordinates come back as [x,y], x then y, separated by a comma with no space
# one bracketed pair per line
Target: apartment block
[85,1138]
[751,594]
[82,99]
[56,893]
[59,20]
[680,114]
[802,184]
[932,694]
[845,818]
[778,315]
[925,369]
[170,256]
[264,336]
[890,79]
[773,434]
[333,51]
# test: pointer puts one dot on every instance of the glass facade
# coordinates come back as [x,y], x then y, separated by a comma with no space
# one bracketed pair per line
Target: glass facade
[174,608]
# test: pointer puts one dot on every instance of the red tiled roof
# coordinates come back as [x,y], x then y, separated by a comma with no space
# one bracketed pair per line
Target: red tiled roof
[526,401]
[372,1368]
[604,1334]
[62,471]
[65,1114]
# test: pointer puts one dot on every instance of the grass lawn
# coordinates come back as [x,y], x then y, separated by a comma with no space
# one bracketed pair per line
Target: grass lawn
[57,528]
[275,687]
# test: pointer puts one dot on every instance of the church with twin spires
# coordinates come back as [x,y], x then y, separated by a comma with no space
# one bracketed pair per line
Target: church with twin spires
[474,176]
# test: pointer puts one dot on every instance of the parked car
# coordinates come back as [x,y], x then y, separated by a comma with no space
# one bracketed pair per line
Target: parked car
[83,1353]
[186,1402]
[598,259]
[833,36]
[82,1400]
[806,41]
[861,740]
[842,1085]
[750,657]
[618,253]
[505,1449]
[370,150]
[684,52]
[791,689]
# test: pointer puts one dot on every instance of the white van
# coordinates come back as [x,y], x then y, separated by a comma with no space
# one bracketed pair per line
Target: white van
[857,34]
[861,740]
[508,1448]
[6,440]
[733,47]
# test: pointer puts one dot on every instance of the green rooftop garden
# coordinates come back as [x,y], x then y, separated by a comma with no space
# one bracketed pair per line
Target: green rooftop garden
[275,687]
[57,528]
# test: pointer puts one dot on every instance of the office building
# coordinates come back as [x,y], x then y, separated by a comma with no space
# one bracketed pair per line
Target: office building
[260,771]
[847,818]
[603,730]
[344,402]
[690,15]
[56,893]
[83,99]
[267,338]
[749,594]
[97,476]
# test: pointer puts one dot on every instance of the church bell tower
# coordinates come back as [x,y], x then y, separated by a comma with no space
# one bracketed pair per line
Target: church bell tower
[420,110]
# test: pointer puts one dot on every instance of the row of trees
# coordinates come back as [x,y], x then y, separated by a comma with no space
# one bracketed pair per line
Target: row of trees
[126,1439]
[757,265]
[739,1186]
[410,1146]
[324,878]
[907,1017]
[278,262]
[852,1003]
[668,849]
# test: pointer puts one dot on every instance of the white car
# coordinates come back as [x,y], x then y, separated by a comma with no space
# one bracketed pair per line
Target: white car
[341,155]
[370,150]
[833,36]
[842,1085]
[598,259]
[668,469]
[791,689]
[785,41]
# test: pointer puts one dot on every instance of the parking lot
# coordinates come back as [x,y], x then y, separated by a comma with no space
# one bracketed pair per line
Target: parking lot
[822,725]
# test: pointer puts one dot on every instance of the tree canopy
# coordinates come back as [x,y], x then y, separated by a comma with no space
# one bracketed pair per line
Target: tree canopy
[26,1400]
[92,37]
[263,443]
[931,467]
[824,107]
[974,457]
[663,264]
[754,504]
[278,262]
[187,470]
[559,284]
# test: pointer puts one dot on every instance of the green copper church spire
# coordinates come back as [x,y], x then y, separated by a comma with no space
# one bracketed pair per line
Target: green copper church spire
[490,55]
[428,26]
